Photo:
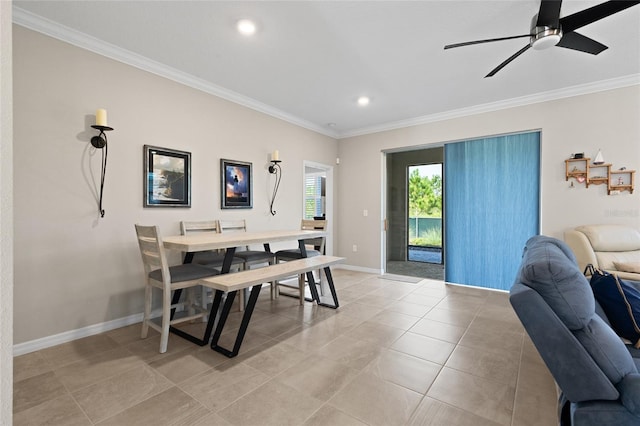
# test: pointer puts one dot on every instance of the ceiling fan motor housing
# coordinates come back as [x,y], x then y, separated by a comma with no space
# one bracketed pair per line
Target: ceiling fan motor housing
[545,37]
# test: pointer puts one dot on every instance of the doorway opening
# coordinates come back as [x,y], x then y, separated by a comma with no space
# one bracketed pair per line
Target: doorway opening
[424,221]
[399,249]
[317,197]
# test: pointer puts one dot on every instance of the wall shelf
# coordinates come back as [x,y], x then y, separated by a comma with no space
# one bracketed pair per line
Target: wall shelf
[598,174]
[583,171]
[576,168]
[621,180]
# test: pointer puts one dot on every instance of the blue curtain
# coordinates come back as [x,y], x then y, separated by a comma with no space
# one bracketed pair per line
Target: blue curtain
[492,205]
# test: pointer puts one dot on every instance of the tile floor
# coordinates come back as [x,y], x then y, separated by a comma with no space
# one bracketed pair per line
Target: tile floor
[394,353]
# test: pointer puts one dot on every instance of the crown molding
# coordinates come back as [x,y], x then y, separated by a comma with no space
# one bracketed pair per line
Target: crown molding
[58,31]
[53,29]
[567,92]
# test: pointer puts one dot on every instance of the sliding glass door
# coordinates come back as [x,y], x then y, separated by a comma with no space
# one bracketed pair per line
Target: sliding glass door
[492,205]
[424,222]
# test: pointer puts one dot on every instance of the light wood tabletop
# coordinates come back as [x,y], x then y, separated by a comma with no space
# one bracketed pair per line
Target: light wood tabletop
[210,240]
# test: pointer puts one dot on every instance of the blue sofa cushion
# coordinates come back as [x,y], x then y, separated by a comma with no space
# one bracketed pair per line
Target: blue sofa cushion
[629,389]
[620,302]
[549,267]
[606,349]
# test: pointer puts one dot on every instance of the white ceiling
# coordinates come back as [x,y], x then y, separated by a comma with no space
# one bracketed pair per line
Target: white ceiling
[311,60]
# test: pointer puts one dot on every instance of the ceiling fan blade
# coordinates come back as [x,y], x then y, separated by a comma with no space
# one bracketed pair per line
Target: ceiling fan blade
[593,14]
[576,41]
[505,63]
[549,14]
[468,43]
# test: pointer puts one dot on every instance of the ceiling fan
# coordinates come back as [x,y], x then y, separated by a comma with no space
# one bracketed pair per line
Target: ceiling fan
[548,29]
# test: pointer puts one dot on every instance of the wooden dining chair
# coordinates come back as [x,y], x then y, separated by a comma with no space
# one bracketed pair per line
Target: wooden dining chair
[250,257]
[210,258]
[213,258]
[313,247]
[171,280]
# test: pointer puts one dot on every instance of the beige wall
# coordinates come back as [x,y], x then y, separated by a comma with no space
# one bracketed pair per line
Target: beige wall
[73,269]
[6,217]
[607,120]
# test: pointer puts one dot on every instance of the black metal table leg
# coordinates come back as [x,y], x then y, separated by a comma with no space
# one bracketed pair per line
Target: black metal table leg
[332,288]
[246,317]
[226,266]
[312,283]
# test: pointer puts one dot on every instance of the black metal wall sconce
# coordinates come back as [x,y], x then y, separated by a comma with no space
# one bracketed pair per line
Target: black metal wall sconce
[275,169]
[100,142]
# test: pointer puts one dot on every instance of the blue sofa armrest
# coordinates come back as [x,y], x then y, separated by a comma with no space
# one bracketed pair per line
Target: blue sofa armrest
[629,389]
[601,413]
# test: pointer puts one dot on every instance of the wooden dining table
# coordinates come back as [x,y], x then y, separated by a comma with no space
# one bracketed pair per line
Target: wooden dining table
[203,241]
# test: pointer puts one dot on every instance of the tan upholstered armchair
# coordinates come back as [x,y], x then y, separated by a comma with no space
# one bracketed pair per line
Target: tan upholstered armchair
[613,248]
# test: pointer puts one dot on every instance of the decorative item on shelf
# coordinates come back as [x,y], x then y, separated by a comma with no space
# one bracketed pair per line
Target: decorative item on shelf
[275,169]
[599,159]
[100,142]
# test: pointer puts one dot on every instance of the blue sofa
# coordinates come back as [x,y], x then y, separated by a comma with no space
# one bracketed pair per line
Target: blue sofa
[596,372]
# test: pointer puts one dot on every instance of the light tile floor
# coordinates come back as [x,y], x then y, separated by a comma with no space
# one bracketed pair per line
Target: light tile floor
[394,353]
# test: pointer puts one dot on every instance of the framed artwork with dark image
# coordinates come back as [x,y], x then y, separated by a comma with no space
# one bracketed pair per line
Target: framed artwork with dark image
[167,177]
[236,181]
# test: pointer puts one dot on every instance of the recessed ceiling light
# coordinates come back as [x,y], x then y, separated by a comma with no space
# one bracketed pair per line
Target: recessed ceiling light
[331,124]
[363,100]
[246,27]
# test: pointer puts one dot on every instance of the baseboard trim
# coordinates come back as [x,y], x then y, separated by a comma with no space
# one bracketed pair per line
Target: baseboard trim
[68,336]
[359,269]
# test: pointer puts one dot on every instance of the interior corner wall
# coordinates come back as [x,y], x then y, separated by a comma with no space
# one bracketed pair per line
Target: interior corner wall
[606,119]
[74,269]
[397,196]
[6,215]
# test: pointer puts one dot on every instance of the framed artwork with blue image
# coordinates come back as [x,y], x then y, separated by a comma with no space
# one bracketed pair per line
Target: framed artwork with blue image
[236,184]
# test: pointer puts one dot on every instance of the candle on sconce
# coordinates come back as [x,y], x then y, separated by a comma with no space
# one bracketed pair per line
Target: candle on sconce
[101,117]
[275,156]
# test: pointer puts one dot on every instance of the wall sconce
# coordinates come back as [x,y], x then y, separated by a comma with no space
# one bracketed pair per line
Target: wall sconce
[275,169]
[100,142]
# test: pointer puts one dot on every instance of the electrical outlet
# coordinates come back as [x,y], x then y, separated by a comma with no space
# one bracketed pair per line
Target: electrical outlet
[355,248]
[365,212]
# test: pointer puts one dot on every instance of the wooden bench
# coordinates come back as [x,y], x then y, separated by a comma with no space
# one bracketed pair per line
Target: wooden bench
[254,278]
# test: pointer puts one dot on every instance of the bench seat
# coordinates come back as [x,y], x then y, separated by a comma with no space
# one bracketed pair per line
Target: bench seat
[245,279]
[254,278]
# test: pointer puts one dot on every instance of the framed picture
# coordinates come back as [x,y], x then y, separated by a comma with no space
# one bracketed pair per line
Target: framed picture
[237,184]
[167,177]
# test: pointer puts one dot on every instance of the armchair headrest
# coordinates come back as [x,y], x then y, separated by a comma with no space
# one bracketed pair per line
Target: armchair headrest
[611,237]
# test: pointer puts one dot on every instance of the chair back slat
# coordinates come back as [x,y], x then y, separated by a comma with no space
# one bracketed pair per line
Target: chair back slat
[199,226]
[310,225]
[239,225]
[315,225]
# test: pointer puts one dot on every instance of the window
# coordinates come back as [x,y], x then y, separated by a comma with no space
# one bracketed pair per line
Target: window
[314,192]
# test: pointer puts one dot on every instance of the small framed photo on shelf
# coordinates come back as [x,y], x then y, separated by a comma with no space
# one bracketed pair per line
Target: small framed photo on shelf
[167,177]
[236,180]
